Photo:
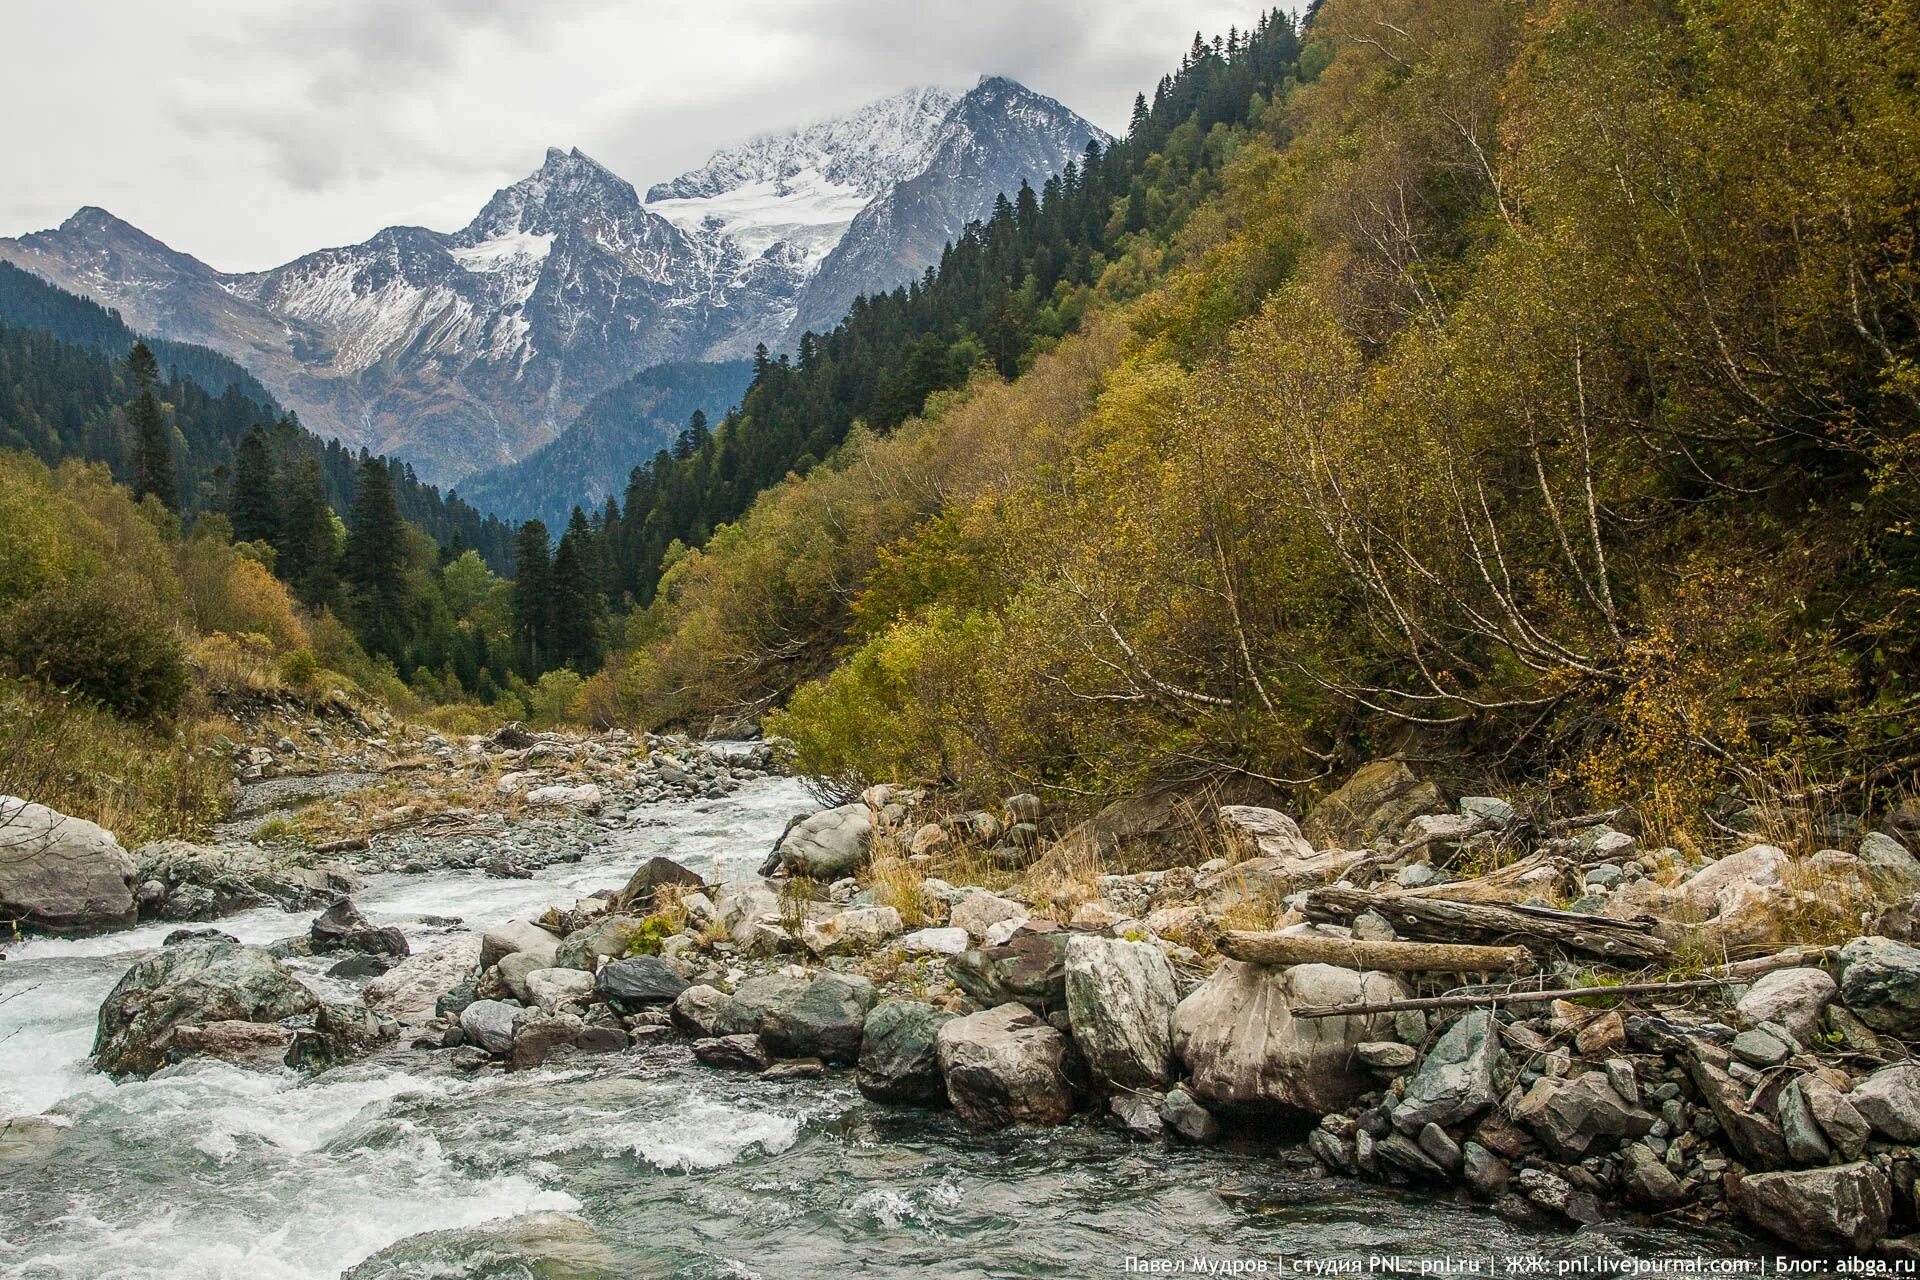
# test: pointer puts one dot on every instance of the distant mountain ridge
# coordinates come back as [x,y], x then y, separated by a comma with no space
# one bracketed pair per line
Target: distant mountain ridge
[467,350]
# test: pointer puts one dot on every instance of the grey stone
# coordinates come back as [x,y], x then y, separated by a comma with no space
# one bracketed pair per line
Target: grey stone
[412,989]
[1646,1180]
[62,874]
[191,984]
[638,981]
[1456,1081]
[1888,856]
[1889,1100]
[1386,1055]
[1244,1050]
[1880,982]
[826,845]
[1843,1206]
[1371,926]
[1030,967]
[1414,875]
[979,911]
[1568,1116]
[1486,1174]
[1794,998]
[551,988]
[1753,1134]
[518,936]
[899,1053]
[697,1009]
[821,1017]
[1441,1148]
[733,1053]
[1490,811]
[1845,1128]
[1005,1066]
[1120,1001]
[1806,1140]
[1186,1117]
[513,971]
[1620,1075]
[489,1024]
[1138,1114]
[1329,1150]
[1767,1045]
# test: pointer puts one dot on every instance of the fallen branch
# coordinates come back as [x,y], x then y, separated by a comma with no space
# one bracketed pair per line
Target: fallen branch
[1382,957]
[1439,919]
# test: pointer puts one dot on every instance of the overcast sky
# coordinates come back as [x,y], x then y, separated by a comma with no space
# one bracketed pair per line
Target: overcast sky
[247,132]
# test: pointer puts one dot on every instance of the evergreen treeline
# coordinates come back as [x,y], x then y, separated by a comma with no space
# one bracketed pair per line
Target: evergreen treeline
[64,392]
[1012,284]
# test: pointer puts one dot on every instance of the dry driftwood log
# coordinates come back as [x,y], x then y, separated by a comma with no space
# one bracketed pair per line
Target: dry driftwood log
[1384,957]
[1625,942]
[1726,975]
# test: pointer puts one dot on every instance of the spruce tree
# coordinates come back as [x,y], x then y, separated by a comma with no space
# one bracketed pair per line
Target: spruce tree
[533,598]
[374,563]
[309,556]
[252,504]
[152,451]
[578,606]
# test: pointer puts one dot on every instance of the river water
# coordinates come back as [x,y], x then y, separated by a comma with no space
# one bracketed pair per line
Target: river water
[645,1164]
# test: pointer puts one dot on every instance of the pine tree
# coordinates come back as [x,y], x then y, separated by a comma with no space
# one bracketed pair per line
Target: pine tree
[252,504]
[152,451]
[578,606]
[374,564]
[309,555]
[533,598]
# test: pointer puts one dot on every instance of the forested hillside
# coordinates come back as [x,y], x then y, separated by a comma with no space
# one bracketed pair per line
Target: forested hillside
[1531,385]
[62,390]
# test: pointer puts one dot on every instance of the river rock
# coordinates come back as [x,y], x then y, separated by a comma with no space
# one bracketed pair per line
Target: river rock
[1138,1114]
[1891,859]
[740,1052]
[1183,1115]
[639,981]
[536,1036]
[551,988]
[697,1009]
[605,939]
[585,797]
[1722,886]
[340,1033]
[1005,1066]
[259,1045]
[411,988]
[489,1024]
[1270,831]
[899,1053]
[1646,1180]
[1569,1115]
[1375,803]
[1880,983]
[62,874]
[1842,1206]
[198,983]
[1794,998]
[651,875]
[826,845]
[517,936]
[1767,1045]
[854,931]
[341,927]
[1029,967]
[552,1246]
[1753,1134]
[1845,1129]
[1120,1001]
[1456,1081]
[821,1017]
[935,942]
[739,905]
[979,911]
[513,971]
[1889,1100]
[1245,1051]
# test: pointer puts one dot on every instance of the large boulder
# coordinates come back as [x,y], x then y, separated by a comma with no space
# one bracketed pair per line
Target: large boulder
[1272,833]
[899,1053]
[1721,887]
[341,927]
[1457,1079]
[517,936]
[1880,982]
[854,931]
[340,1033]
[1843,1206]
[1794,998]
[605,939]
[979,911]
[1374,805]
[638,981]
[652,875]
[410,990]
[826,845]
[1245,1051]
[552,988]
[1890,860]
[1030,967]
[1005,1066]
[740,905]
[490,1023]
[820,1017]
[1889,1100]
[538,1034]
[697,1009]
[195,983]
[1120,1002]
[61,874]
[202,882]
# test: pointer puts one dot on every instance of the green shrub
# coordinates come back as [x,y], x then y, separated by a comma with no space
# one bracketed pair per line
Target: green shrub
[102,640]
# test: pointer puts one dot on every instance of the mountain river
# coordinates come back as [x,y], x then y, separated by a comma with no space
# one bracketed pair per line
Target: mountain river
[642,1164]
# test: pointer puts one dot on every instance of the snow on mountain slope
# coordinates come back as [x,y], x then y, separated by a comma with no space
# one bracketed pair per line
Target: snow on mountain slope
[467,350]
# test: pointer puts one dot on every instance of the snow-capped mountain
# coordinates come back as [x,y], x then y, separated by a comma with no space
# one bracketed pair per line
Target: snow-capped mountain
[467,350]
